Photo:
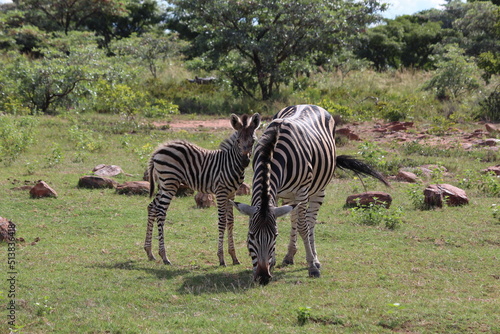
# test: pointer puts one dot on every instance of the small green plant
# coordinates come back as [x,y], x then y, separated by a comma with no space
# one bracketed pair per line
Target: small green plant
[303,315]
[55,157]
[43,307]
[495,211]
[417,197]
[85,140]
[392,319]
[375,214]
[486,183]
[16,135]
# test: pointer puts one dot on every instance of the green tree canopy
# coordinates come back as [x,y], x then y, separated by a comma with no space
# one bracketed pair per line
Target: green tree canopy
[259,44]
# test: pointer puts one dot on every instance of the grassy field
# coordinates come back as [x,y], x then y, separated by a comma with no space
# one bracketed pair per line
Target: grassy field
[82,269]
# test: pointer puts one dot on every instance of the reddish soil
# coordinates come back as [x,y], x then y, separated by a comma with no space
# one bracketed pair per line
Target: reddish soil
[481,135]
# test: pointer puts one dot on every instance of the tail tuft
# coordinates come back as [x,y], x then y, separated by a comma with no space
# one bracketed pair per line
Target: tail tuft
[347,162]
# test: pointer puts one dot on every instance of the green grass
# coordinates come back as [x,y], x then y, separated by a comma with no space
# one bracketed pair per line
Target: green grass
[88,273]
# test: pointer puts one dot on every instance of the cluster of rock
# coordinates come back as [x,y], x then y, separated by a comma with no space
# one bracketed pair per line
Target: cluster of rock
[397,131]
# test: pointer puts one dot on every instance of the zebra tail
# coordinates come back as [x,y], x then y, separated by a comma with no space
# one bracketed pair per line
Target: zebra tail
[151,178]
[347,162]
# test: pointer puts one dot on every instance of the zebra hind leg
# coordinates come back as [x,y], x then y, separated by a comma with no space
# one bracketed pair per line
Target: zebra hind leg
[149,231]
[162,252]
[161,212]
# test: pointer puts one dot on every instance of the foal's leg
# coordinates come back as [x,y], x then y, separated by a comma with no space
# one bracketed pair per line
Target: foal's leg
[164,202]
[230,226]
[152,216]
[225,214]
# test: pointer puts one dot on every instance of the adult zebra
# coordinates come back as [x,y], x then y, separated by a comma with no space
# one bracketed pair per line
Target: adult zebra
[294,160]
[218,172]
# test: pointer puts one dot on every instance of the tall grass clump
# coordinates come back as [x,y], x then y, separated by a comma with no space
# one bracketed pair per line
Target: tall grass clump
[16,136]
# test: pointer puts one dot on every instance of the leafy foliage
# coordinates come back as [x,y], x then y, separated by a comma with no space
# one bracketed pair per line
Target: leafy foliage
[261,44]
[456,75]
[16,135]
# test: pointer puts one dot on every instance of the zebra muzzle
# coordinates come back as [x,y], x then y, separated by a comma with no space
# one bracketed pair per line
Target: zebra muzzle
[262,273]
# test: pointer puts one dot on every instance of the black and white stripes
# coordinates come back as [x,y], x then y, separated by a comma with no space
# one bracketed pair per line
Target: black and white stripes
[218,172]
[294,160]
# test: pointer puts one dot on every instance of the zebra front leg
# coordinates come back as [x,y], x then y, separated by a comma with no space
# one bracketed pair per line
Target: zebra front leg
[149,231]
[221,210]
[292,245]
[230,226]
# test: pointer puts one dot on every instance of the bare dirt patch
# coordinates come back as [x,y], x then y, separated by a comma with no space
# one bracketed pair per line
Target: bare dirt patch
[482,135]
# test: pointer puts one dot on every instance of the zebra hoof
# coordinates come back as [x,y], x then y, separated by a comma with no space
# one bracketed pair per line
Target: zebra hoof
[222,264]
[314,272]
[236,262]
[151,258]
[167,262]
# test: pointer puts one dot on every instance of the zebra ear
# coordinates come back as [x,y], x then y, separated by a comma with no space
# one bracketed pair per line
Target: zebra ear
[256,120]
[283,210]
[236,122]
[244,208]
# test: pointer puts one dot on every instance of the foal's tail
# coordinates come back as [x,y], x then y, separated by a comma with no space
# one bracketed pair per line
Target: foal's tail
[347,162]
[151,177]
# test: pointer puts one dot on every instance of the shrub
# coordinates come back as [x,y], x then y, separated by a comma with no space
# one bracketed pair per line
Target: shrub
[375,214]
[455,75]
[16,135]
[490,107]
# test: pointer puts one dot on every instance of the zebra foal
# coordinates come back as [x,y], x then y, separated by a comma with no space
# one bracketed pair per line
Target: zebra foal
[218,172]
[294,160]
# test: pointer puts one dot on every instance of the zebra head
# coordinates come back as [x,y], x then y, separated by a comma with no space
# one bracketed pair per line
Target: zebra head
[246,137]
[262,234]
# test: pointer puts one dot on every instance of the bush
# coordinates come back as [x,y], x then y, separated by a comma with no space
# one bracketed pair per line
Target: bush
[490,107]
[456,75]
[16,135]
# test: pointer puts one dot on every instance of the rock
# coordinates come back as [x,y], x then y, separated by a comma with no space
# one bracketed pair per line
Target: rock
[244,189]
[494,169]
[42,189]
[204,200]
[437,194]
[346,132]
[405,176]
[491,128]
[491,142]
[133,188]
[7,229]
[369,197]
[184,191]
[96,182]
[107,170]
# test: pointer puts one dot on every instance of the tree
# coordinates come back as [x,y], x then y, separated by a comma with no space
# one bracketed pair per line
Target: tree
[68,15]
[405,41]
[149,49]
[456,74]
[260,44]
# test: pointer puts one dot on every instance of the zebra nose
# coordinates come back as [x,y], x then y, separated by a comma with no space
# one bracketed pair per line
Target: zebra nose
[262,273]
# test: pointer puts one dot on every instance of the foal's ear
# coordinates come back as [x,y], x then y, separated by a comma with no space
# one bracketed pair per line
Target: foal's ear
[245,209]
[236,122]
[255,121]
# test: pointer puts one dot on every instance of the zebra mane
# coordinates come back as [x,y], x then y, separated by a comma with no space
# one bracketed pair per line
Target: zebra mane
[228,143]
[265,156]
